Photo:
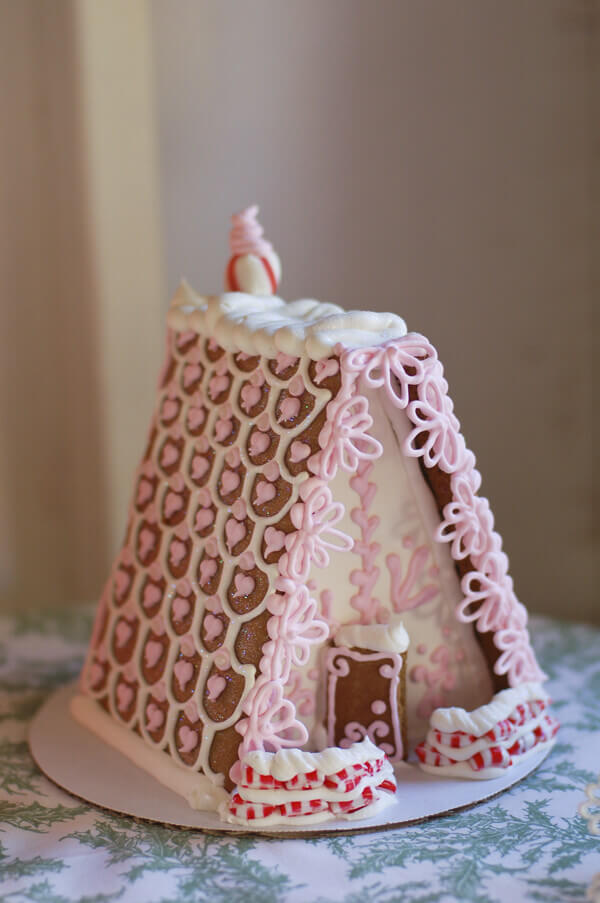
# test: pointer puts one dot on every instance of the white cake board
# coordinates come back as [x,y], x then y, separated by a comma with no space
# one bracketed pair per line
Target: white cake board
[81,764]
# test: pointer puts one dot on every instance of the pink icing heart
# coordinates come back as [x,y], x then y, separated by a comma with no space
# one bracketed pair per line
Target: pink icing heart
[152,595]
[152,653]
[146,543]
[233,457]
[230,481]
[251,395]
[195,417]
[207,569]
[213,628]
[274,540]
[215,686]
[223,429]
[259,443]
[299,451]
[144,493]
[204,518]
[181,608]
[122,582]
[191,711]
[283,361]
[173,504]
[217,385]
[170,455]
[324,368]
[170,409]
[235,532]
[188,738]
[289,408]
[96,674]
[191,373]
[183,671]
[265,492]
[123,633]
[124,697]
[155,717]
[244,585]
[158,625]
[177,552]
[199,467]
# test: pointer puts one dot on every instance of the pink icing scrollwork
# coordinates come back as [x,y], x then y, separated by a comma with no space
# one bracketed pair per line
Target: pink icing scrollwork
[314,519]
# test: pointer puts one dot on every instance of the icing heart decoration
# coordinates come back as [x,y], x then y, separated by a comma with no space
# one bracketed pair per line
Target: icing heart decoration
[274,540]
[183,671]
[215,685]
[244,585]
[217,385]
[96,673]
[230,481]
[223,429]
[154,717]
[169,455]
[181,608]
[177,552]
[233,457]
[213,603]
[204,518]
[265,492]
[123,633]
[196,416]
[122,583]
[193,370]
[152,653]
[299,451]
[271,471]
[188,646]
[199,467]
[158,625]
[247,561]
[213,627]
[183,338]
[235,532]
[170,409]
[283,362]
[259,443]
[144,493]
[207,569]
[152,595]
[191,711]
[325,368]
[124,697]
[173,504]
[288,409]
[146,543]
[188,739]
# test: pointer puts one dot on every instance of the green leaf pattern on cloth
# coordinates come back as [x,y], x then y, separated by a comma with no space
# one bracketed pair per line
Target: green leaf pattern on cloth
[528,844]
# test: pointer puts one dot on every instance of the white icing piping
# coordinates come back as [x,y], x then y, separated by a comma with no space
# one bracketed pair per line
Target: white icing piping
[266,325]
[481,720]
[287,763]
[391,637]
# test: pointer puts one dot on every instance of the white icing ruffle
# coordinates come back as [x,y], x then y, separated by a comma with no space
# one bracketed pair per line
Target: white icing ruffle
[481,720]
[267,325]
[391,637]
[287,763]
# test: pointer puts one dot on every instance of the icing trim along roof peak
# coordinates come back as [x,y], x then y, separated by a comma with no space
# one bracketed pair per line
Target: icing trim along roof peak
[266,325]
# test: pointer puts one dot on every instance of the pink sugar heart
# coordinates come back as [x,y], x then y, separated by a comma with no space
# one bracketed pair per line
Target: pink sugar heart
[146,543]
[184,337]
[188,646]
[191,373]
[223,429]
[96,673]
[235,531]
[152,595]
[230,481]
[144,493]
[195,417]
[251,395]
[207,569]
[170,409]
[173,504]
[271,471]
[169,455]
[181,608]
[183,671]
[124,697]
[288,409]
[188,738]
[274,540]
[122,583]
[204,518]
[213,627]
[123,633]
[325,368]
[215,686]
[299,451]
[177,552]
[199,467]
[217,385]
[154,717]
[265,492]
[283,361]
[259,443]
[296,386]
[152,653]
[244,585]
[233,457]
[191,711]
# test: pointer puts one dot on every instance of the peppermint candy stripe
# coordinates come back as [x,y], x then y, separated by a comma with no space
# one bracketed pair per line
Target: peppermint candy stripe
[527,711]
[494,757]
[250,811]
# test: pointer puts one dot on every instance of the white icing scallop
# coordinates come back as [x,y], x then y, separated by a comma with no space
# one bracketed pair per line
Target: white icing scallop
[265,324]
[481,720]
[391,637]
[287,763]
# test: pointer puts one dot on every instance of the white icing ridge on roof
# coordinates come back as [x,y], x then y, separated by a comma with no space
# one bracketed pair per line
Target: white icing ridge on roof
[266,324]
[481,720]
[287,763]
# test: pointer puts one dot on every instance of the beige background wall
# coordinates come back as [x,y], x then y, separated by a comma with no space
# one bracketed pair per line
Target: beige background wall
[433,158]
[439,159]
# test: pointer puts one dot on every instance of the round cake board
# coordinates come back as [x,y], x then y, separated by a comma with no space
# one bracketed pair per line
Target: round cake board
[78,762]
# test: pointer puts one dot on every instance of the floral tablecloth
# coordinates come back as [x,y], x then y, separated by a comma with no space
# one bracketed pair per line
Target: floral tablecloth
[530,843]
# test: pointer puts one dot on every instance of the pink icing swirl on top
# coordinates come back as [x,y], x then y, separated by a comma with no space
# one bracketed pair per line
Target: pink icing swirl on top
[246,236]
